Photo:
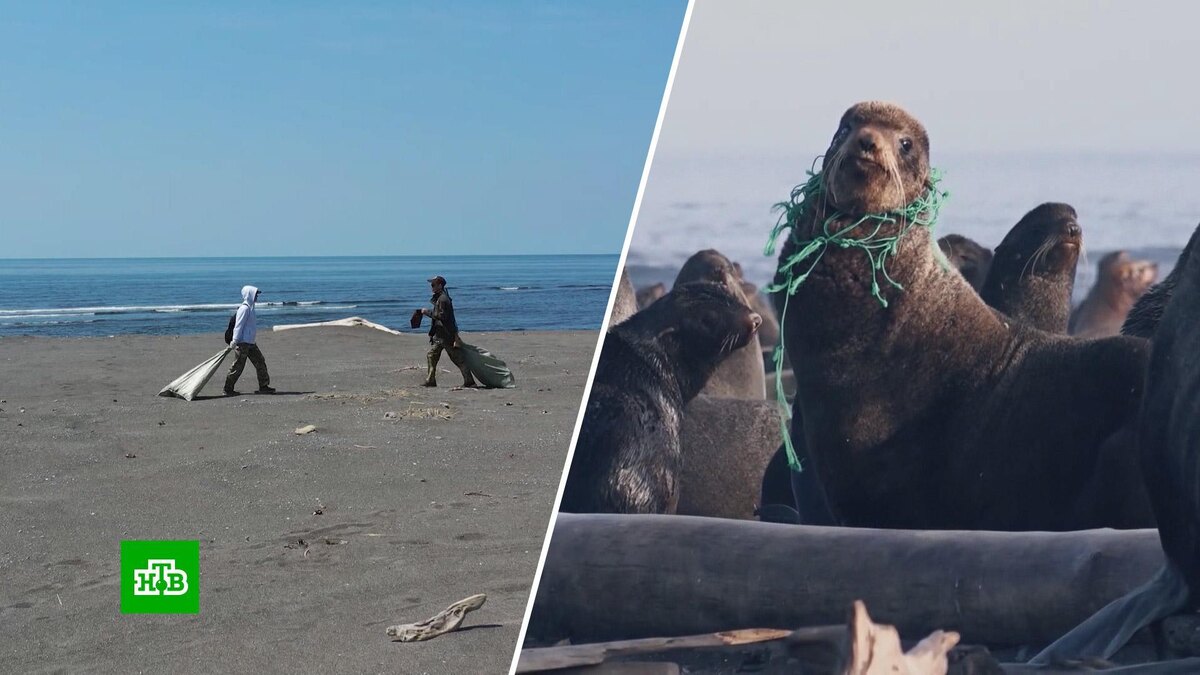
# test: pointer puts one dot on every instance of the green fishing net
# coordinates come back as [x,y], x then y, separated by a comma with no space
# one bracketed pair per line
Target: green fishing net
[878,248]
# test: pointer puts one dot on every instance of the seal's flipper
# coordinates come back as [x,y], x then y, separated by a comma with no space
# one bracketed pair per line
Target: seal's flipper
[1106,631]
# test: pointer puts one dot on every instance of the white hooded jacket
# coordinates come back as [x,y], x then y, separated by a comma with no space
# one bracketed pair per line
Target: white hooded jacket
[244,329]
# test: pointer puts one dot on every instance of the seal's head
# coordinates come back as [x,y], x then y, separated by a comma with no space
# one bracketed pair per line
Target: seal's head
[1045,242]
[970,258]
[878,160]
[711,321]
[698,325]
[1127,277]
[711,265]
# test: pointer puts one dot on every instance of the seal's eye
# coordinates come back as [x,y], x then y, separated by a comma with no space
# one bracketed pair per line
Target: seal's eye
[841,134]
[905,145]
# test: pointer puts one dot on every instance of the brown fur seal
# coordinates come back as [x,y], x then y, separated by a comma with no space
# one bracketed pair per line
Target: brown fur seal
[627,458]
[1032,274]
[935,411]
[647,295]
[1119,284]
[742,374]
[625,305]
[971,259]
[1168,430]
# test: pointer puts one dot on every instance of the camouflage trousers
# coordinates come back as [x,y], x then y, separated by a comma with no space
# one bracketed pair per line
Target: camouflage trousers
[436,347]
[241,352]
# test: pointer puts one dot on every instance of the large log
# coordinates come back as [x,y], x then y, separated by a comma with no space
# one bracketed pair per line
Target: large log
[616,577]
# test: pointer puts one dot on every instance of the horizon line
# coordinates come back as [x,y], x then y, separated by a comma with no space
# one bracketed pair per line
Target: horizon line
[280,257]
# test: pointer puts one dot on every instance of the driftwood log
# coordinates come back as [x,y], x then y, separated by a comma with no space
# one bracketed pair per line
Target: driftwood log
[443,622]
[613,577]
[860,648]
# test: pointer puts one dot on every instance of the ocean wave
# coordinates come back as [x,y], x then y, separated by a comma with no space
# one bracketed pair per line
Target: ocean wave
[25,324]
[118,309]
[168,309]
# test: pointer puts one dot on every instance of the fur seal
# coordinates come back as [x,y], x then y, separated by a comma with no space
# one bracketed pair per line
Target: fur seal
[627,459]
[768,332]
[742,374]
[647,295]
[1119,283]
[625,304]
[1148,310]
[934,411]
[972,260]
[1032,274]
[1167,430]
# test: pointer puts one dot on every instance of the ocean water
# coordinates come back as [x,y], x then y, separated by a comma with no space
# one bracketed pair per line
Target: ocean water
[1146,204]
[165,296]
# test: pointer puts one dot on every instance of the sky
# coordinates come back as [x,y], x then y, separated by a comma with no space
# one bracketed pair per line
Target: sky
[313,128]
[1014,76]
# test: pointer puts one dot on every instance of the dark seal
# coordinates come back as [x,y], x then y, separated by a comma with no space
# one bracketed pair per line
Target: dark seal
[1167,431]
[934,411]
[627,459]
[971,259]
[742,375]
[1120,282]
[1032,274]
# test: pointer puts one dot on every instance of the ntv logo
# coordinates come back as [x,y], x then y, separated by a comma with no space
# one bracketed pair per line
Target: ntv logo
[160,578]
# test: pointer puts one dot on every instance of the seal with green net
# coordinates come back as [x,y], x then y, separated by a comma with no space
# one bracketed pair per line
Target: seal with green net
[842,232]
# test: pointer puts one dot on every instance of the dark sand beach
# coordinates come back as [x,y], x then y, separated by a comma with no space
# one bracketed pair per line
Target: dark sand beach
[400,515]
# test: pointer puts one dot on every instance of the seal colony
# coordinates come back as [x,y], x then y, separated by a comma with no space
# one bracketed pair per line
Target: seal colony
[918,384]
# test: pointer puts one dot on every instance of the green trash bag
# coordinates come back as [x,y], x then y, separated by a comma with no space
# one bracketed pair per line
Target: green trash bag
[488,370]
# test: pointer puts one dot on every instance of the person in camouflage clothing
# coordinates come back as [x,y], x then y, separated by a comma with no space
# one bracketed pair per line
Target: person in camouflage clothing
[443,334]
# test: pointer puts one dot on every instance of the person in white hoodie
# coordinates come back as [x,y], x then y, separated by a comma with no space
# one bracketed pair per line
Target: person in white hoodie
[244,331]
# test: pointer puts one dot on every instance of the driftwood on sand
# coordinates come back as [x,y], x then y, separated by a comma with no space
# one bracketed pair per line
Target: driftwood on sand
[445,621]
[860,648]
[351,321]
[612,577]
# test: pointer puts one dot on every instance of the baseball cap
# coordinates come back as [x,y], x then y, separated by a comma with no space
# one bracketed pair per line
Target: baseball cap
[436,278]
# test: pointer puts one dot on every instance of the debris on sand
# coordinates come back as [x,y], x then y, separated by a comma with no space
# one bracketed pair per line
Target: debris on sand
[306,429]
[445,621]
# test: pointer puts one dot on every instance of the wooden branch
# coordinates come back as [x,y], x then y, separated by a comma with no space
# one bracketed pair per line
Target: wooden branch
[445,621]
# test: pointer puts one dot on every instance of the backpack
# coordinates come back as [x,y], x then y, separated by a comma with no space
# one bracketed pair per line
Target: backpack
[229,329]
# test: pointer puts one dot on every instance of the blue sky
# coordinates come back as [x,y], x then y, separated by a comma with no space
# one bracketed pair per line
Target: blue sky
[303,128]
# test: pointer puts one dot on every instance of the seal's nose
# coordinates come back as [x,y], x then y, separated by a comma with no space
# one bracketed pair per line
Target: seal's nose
[1073,229]
[755,321]
[866,141]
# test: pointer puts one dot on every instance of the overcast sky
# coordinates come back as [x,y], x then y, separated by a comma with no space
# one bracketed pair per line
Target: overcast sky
[1075,75]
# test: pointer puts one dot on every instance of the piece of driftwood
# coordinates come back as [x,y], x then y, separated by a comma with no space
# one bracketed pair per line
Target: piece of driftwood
[574,656]
[445,621]
[625,668]
[306,429]
[618,577]
[875,649]
[350,321]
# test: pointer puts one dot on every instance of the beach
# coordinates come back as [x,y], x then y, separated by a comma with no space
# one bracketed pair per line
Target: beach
[403,501]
